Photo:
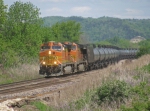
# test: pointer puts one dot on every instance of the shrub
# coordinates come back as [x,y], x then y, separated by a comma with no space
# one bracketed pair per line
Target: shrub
[142,91]
[138,106]
[144,48]
[113,91]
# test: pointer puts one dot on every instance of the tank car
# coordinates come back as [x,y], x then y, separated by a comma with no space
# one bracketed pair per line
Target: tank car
[101,56]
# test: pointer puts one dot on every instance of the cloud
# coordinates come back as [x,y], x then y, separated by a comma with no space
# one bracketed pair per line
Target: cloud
[54,9]
[81,9]
[133,11]
[131,17]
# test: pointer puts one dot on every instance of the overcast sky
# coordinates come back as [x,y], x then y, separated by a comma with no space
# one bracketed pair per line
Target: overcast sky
[138,9]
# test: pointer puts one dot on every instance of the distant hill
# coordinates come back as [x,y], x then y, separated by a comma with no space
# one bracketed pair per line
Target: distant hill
[97,29]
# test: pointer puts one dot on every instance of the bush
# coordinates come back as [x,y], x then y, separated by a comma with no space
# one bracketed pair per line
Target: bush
[138,106]
[113,91]
[144,48]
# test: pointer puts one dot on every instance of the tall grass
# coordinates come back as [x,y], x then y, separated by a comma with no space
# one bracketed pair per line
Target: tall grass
[71,98]
[19,73]
[126,71]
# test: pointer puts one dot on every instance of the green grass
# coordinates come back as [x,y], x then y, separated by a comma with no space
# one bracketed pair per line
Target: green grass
[86,99]
[146,68]
[42,107]
[5,79]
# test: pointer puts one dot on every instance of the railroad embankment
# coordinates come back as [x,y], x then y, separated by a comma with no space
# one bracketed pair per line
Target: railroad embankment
[128,80]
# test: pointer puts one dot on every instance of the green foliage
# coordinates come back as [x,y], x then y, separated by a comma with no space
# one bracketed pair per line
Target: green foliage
[120,42]
[146,68]
[3,15]
[141,101]
[144,47]
[113,91]
[5,79]
[138,106]
[23,27]
[21,33]
[41,106]
[106,27]
[142,90]
[66,31]
[79,104]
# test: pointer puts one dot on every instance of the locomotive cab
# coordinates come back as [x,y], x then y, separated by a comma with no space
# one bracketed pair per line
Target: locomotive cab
[51,57]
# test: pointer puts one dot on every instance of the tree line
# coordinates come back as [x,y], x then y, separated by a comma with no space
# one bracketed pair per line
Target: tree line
[22,31]
[98,29]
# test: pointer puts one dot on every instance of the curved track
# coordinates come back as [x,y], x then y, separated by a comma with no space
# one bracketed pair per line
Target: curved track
[6,90]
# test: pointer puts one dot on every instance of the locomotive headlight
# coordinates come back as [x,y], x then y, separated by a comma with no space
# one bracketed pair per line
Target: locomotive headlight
[55,62]
[49,52]
[44,63]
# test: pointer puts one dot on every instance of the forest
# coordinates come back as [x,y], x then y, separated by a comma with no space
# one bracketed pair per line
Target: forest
[22,31]
[97,29]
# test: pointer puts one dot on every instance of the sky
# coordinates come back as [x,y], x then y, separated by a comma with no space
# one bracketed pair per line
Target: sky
[124,9]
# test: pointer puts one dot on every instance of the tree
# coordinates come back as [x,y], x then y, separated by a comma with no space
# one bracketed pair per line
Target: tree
[66,31]
[3,44]
[2,17]
[23,28]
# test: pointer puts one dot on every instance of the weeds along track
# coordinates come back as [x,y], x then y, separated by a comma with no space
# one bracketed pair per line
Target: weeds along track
[8,91]
[21,83]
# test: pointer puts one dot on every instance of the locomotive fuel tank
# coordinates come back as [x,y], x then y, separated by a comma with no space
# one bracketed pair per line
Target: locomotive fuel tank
[67,70]
[81,67]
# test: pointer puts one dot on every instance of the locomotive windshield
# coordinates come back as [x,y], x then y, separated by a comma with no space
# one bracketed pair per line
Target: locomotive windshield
[73,47]
[58,48]
[45,47]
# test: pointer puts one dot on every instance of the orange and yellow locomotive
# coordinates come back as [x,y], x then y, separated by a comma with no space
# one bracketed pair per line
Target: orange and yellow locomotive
[56,57]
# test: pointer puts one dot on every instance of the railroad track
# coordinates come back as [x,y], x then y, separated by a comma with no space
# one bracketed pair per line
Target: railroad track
[6,90]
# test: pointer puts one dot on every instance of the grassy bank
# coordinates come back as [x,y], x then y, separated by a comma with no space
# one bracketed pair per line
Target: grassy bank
[19,73]
[121,87]
[126,89]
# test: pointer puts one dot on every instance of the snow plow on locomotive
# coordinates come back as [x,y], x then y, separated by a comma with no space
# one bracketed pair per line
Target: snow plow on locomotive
[67,58]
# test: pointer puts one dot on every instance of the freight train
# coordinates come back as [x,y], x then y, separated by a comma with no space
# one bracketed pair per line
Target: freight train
[67,57]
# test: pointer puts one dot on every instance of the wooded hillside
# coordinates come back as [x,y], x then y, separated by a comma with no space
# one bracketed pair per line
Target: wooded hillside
[97,29]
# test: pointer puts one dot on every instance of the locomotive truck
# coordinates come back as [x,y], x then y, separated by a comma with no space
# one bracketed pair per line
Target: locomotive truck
[67,57]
